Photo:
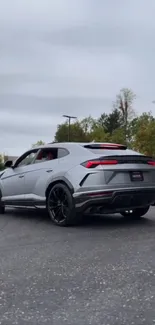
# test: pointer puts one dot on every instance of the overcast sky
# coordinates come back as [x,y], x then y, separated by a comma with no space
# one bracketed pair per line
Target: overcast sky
[70,57]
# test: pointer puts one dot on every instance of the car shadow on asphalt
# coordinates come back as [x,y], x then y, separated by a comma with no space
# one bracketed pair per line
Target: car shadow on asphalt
[105,221]
[115,220]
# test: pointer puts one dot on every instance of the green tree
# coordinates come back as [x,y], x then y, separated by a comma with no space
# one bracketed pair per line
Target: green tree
[94,130]
[118,136]
[1,162]
[87,124]
[77,133]
[111,122]
[98,134]
[38,143]
[124,103]
[143,134]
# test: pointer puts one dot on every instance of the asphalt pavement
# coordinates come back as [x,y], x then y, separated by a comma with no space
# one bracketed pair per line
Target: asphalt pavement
[101,272]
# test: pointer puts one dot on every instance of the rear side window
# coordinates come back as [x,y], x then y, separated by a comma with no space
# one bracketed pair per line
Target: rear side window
[46,155]
[62,152]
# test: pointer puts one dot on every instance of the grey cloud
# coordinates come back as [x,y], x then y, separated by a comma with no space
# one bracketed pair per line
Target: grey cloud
[25,128]
[9,81]
[55,106]
[70,57]
[108,36]
[43,14]
[87,36]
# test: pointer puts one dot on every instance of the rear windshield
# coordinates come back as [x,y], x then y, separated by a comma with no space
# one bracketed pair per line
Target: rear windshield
[113,152]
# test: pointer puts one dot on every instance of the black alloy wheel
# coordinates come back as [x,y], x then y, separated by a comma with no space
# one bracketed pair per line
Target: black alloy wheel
[60,205]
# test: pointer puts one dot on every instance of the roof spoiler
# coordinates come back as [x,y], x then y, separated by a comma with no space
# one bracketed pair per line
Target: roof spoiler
[110,146]
[53,142]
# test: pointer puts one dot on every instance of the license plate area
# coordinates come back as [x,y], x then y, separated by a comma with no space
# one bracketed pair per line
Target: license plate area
[136,176]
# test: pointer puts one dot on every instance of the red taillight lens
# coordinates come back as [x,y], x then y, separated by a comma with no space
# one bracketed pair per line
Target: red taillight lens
[151,162]
[95,163]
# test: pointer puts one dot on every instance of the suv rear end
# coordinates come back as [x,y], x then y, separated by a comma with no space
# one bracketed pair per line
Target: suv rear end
[115,179]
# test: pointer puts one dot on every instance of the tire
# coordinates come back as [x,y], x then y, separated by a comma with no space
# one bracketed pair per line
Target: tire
[60,206]
[136,213]
[2,207]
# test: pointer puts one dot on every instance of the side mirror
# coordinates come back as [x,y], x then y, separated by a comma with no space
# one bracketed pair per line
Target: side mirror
[8,164]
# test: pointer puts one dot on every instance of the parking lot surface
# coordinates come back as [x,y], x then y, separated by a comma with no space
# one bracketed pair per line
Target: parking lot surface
[101,272]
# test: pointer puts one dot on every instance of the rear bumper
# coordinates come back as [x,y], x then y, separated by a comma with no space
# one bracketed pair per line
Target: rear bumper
[114,201]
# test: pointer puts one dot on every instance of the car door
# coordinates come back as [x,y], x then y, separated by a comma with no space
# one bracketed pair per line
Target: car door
[13,179]
[37,174]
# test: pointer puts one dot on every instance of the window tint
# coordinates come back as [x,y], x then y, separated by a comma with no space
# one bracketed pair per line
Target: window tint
[27,160]
[46,155]
[50,154]
[62,152]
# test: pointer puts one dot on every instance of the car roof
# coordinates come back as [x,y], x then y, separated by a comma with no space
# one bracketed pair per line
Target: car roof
[56,145]
[68,145]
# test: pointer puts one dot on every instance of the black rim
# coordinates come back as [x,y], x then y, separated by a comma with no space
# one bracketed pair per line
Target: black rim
[58,205]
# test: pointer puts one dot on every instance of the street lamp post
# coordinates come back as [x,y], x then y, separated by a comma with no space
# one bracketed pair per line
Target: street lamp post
[69,117]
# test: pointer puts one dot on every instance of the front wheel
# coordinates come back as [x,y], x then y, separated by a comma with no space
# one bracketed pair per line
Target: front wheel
[60,205]
[135,213]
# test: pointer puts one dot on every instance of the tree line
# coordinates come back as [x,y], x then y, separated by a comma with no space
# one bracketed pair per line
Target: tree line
[122,125]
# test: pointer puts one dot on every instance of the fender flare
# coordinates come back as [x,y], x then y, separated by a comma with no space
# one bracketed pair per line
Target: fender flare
[61,179]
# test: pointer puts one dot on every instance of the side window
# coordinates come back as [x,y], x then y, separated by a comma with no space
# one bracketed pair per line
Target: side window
[62,152]
[27,159]
[46,155]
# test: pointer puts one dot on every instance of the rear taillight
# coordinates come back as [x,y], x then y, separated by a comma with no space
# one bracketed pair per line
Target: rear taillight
[95,163]
[151,162]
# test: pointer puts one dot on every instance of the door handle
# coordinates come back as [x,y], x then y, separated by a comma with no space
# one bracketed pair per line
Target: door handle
[21,176]
[49,170]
